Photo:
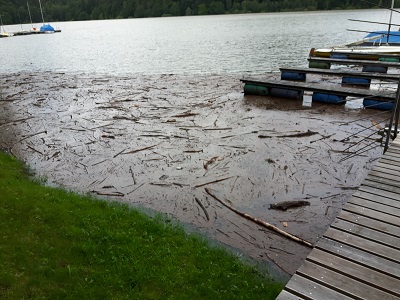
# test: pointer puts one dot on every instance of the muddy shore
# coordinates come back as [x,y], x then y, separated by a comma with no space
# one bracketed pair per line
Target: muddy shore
[158,141]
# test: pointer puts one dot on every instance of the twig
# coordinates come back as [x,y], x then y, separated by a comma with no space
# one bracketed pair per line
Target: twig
[260,222]
[301,134]
[140,149]
[133,175]
[214,181]
[115,194]
[119,153]
[210,161]
[203,208]
[32,135]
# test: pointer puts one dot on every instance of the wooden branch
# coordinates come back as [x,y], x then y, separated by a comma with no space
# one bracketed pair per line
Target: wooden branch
[301,134]
[260,222]
[203,208]
[214,181]
[140,149]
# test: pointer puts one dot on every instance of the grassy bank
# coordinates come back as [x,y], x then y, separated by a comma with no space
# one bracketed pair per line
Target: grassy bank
[55,244]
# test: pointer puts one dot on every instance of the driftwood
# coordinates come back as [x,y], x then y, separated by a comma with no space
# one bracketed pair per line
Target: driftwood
[210,161]
[185,115]
[294,135]
[114,194]
[260,222]
[214,181]
[288,204]
[140,149]
[203,208]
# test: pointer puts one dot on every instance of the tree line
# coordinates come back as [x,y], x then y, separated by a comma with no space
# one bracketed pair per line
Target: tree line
[17,11]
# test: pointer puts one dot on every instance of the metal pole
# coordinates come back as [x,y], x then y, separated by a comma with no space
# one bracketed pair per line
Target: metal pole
[394,116]
[30,17]
[390,22]
[41,11]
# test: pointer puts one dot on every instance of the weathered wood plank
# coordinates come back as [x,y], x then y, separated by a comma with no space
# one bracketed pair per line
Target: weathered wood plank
[379,192]
[341,283]
[360,257]
[299,285]
[367,233]
[378,206]
[383,175]
[387,164]
[373,214]
[384,180]
[382,168]
[319,87]
[393,159]
[373,196]
[381,186]
[370,223]
[355,62]
[361,243]
[285,295]
[347,73]
[366,275]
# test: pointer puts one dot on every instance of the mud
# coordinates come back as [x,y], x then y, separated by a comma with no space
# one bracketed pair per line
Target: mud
[158,141]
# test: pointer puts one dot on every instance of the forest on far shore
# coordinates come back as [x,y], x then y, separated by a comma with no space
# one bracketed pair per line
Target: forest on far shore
[17,12]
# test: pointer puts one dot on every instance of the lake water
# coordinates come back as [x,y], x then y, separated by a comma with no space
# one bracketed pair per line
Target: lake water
[243,44]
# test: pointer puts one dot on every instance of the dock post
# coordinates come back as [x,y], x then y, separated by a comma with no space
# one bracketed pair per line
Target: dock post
[393,119]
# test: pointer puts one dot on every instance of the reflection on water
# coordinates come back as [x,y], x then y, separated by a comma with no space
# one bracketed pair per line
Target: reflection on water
[242,44]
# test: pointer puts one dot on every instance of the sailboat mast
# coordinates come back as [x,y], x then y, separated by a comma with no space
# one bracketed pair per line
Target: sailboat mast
[390,22]
[30,17]
[41,11]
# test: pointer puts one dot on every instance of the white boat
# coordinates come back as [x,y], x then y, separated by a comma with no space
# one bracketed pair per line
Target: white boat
[376,43]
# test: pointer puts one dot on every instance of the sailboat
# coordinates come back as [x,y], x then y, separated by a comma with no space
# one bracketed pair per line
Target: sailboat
[373,45]
[3,33]
[45,28]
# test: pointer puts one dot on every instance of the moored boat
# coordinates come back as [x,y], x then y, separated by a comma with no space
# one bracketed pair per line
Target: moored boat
[376,45]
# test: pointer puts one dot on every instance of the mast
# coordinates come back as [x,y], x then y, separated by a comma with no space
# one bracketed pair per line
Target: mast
[41,10]
[30,17]
[390,22]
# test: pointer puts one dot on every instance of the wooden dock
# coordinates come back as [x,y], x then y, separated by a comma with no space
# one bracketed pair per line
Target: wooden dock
[356,62]
[321,88]
[344,73]
[358,257]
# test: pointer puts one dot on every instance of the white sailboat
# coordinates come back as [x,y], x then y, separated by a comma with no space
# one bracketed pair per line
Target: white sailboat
[374,44]
[3,32]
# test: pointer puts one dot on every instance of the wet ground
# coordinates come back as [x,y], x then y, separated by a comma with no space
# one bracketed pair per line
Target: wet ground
[158,141]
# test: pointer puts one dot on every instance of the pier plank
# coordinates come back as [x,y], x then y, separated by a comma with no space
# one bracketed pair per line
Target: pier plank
[347,73]
[377,206]
[370,223]
[341,283]
[356,271]
[322,88]
[381,185]
[367,233]
[373,214]
[354,62]
[371,195]
[367,245]
[299,285]
[360,257]
[378,192]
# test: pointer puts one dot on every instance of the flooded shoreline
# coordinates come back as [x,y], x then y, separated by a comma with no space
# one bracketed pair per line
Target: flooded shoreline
[158,141]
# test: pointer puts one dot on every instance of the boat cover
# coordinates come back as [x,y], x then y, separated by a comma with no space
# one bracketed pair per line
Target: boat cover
[46,27]
[382,37]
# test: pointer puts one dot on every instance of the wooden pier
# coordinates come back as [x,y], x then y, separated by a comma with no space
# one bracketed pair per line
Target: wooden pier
[356,62]
[358,257]
[320,88]
[344,73]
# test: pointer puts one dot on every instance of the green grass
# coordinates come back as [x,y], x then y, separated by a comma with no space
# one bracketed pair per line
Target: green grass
[58,245]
